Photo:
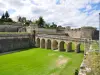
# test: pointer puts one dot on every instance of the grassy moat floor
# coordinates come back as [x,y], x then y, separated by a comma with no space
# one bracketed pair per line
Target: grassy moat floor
[38,61]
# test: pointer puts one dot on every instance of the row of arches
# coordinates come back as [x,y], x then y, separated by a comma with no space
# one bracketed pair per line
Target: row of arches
[59,45]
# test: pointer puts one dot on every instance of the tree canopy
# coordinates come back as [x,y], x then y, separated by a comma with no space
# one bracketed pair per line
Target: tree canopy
[5,18]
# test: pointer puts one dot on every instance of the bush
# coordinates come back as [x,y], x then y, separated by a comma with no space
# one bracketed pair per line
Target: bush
[76,72]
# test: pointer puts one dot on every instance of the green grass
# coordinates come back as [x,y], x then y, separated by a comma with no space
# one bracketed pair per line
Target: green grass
[95,45]
[39,62]
[13,33]
[73,46]
[82,47]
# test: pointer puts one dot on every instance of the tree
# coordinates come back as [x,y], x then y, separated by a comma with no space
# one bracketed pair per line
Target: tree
[47,25]
[3,17]
[53,25]
[6,15]
[23,19]
[19,18]
[27,23]
[9,20]
[40,22]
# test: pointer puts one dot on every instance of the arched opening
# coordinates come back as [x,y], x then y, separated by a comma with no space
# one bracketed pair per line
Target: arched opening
[38,42]
[82,47]
[62,46]
[69,47]
[77,48]
[48,44]
[42,43]
[65,46]
[73,46]
[55,45]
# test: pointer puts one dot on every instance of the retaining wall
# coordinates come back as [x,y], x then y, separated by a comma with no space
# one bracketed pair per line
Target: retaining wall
[11,42]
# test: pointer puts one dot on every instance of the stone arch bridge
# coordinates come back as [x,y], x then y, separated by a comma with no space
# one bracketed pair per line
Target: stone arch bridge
[59,42]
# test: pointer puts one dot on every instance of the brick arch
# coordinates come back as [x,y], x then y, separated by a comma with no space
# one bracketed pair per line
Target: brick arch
[48,44]
[42,43]
[61,46]
[38,42]
[54,45]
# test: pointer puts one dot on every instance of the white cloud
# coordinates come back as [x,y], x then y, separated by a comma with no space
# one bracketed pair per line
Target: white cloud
[66,13]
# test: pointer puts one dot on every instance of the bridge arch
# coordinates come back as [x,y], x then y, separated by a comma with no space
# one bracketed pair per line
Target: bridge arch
[80,47]
[48,44]
[77,48]
[69,47]
[42,43]
[62,46]
[38,42]
[54,45]
[73,46]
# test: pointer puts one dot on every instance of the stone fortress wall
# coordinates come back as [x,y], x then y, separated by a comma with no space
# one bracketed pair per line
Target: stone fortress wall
[12,42]
[86,33]
[71,33]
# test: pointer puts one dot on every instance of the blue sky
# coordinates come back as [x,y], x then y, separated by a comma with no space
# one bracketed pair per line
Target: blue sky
[74,13]
[94,6]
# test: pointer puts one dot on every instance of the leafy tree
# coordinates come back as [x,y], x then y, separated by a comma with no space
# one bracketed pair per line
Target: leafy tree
[53,25]
[47,25]
[19,18]
[6,15]
[40,22]
[3,17]
[22,20]
[9,20]
[27,23]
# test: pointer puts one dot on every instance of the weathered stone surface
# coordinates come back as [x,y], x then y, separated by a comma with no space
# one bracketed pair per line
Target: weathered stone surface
[69,47]
[15,42]
[77,48]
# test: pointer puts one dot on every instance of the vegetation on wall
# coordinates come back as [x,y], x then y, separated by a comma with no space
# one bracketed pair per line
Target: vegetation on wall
[88,27]
[93,62]
[41,23]
[24,21]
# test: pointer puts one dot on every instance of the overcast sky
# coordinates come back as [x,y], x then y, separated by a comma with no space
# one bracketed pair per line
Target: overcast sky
[75,13]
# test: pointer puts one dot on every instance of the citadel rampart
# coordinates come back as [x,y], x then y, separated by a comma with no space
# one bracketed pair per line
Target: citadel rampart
[83,32]
[12,42]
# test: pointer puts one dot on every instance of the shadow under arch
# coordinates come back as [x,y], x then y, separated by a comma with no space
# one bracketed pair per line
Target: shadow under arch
[38,42]
[42,43]
[62,46]
[69,47]
[48,44]
[79,48]
[54,45]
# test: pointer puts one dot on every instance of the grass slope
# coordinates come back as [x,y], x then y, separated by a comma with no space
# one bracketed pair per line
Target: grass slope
[39,62]
[95,45]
